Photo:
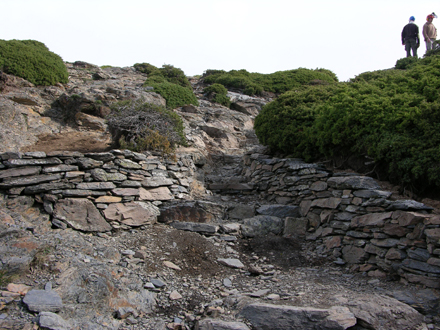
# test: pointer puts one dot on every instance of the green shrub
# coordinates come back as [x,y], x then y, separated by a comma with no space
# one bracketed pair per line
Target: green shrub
[405,63]
[278,82]
[218,93]
[392,116]
[145,68]
[143,126]
[167,72]
[175,95]
[170,82]
[32,60]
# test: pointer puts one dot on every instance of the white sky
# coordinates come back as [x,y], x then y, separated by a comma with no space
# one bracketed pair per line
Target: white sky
[347,37]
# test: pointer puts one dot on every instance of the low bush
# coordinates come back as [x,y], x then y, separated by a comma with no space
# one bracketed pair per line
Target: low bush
[32,60]
[217,93]
[175,95]
[143,126]
[392,116]
[278,82]
[170,82]
[168,72]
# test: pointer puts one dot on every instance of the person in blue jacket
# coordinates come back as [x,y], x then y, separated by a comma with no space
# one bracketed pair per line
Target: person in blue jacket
[410,37]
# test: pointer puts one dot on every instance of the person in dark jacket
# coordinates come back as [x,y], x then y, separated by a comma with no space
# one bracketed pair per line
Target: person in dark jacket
[410,37]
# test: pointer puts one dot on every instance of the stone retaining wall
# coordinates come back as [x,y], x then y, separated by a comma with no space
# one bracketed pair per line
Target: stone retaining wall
[96,192]
[349,217]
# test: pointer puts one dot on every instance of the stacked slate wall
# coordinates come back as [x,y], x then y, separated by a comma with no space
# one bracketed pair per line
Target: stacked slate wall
[351,218]
[96,192]
[348,216]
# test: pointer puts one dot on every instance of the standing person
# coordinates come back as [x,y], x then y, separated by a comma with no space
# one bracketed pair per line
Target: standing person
[410,37]
[429,31]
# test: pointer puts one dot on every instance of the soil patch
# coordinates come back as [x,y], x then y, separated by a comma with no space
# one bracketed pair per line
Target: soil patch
[282,252]
[81,141]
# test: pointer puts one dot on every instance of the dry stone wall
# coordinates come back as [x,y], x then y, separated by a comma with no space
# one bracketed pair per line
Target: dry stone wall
[350,218]
[96,192]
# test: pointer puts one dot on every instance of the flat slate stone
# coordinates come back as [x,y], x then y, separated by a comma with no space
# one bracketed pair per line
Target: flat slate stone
[49,320]
[132,214]
[60,168]
[267,316]
[20,171]
[353,182]
[45,187]
[27,181]
[81,214]
[233,263]
[96,185]
[195,227]
[280,211]
[32,162]
[43,301]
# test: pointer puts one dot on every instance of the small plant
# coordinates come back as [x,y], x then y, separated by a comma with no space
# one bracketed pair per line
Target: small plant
[143,126]
[32,60]
[175,95]
[5,278]
[217,93]
[170,82]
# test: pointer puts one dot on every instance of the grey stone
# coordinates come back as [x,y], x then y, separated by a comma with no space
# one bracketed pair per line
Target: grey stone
[214,324]
[158,283]
[126,163]
[47,187]
[280,211]
[230,262]
[195,227]
[279,317]
[353,182]
[371,219]
[101,156]
[27,181]
[81,214]
[386,243]
[422,266]
[156,182]
[32,162]
[101,175]
[419,254]
[380,312]
[372,193]
[329,203]
[60,168]
[353,254]
[408,205]
[20,171]
[49,320]
[261,225]
[43,301]
[192,211]
[241,211]
[85,163]
[96,185]
[133,213]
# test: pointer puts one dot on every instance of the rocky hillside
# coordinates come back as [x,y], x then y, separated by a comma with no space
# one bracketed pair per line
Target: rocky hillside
[147,272]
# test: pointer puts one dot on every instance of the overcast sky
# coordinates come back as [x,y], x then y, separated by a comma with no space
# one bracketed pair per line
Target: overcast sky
[347,37]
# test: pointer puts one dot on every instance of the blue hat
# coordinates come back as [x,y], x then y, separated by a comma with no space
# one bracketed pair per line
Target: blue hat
[412,18]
